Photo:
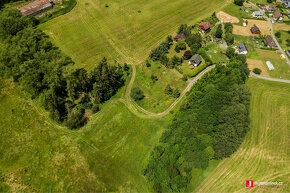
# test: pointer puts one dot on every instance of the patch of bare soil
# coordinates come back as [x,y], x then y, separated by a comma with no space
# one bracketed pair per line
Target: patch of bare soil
[252,63]
[222,16]
[246,31]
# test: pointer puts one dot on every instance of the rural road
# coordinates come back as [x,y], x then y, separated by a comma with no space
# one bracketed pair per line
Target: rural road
[271,79]
[150,114]
[276,42]
[273,35]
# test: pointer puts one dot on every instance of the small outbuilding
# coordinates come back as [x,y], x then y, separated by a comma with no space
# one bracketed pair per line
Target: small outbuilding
[195,60]
[270,65]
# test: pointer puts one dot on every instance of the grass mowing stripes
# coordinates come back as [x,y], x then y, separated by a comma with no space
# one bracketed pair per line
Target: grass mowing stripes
[126,30]
[264,155]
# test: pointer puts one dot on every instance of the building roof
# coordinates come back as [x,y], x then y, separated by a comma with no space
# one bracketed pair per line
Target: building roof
[180,36]
[35,7]
[205,25]
[270,65]
[242,47]
[258,13]
[269,41]
[196,58]
[270,7]
[254,29]
[277,15]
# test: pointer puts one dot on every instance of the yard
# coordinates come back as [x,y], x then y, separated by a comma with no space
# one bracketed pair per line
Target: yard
[250,44]
[263,25]
[282,69]
[125,31]
[283,39]
[155,98]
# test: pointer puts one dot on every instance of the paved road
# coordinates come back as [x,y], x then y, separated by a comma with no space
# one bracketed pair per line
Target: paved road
[273,35]
[133,105]
[271,79]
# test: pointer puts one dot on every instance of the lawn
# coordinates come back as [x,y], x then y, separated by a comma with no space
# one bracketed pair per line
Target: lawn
[107,154]
[238,11]
[155,98]
[283,39]
[250,44]
[264,156]
[125,31]
[282,69]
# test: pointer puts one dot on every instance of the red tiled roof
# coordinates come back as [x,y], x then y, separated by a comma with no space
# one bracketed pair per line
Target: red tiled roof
[205,26]
[35,7]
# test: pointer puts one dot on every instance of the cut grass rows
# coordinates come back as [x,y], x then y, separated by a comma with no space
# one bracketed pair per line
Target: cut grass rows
[264,156]
[91,31]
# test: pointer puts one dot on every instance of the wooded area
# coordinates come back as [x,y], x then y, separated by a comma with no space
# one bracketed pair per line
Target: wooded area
[40,68]
[211,124]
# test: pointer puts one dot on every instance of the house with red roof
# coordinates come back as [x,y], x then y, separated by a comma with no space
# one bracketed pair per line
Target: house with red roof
[205,27]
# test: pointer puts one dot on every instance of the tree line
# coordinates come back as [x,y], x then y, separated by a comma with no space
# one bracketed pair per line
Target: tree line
[47,75]
[211,124]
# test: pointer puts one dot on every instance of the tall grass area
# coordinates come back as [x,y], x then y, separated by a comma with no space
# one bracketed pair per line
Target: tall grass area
[155,98]
[107,155]
[264,156]
[126,30]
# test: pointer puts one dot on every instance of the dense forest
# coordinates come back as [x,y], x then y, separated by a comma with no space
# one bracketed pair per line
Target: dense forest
[42,71]
[211,124]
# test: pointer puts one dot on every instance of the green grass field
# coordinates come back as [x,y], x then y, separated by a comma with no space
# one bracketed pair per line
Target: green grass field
[119,32]
[155,98]
[264,155]
[108,154]
[282,69]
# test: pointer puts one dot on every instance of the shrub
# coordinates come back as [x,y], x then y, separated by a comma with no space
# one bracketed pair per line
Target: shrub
[257,70]
[76,119]
[180,46]
[137,94]
[95,108]
[168,90]
[239,2]
[278,34]
[219,31]
[187,54]
[148,64]
[176,93]
[153,78]
[184,78]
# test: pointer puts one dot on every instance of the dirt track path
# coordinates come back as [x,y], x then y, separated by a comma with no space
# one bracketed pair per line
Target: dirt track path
[138,110]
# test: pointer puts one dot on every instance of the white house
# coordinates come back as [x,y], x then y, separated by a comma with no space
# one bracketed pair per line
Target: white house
[258,14]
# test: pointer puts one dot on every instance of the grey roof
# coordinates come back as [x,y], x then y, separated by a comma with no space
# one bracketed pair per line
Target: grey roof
[196,58]
[242,47]
[254,29]
[258,13]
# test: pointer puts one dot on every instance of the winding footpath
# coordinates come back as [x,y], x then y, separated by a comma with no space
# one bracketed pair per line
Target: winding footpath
[136,109]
